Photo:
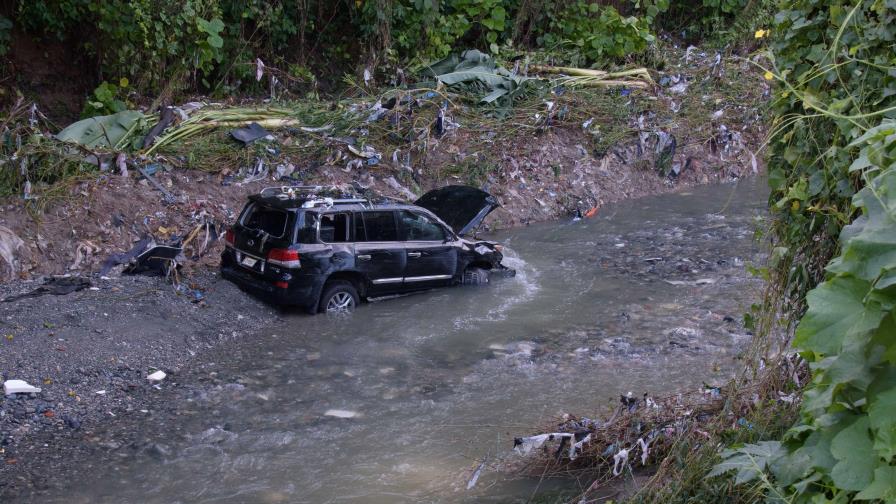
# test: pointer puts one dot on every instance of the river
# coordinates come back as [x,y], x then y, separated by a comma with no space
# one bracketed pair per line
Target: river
[647,296]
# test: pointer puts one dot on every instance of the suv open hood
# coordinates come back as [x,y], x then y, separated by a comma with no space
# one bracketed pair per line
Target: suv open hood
[461,207]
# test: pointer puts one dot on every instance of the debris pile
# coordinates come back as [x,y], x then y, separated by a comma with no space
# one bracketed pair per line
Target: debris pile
[642,430]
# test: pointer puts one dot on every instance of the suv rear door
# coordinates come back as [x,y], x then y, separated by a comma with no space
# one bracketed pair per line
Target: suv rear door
[262,228]
[379,255]
[431,253]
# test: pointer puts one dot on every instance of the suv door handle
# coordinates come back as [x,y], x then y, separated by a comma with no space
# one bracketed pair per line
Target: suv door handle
[414,254]
[364,257]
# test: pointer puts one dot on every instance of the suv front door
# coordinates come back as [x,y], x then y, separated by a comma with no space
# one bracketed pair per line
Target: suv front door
[431,257]
[379,255]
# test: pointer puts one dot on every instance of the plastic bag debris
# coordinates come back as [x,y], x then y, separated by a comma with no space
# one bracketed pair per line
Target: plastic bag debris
[391,182]
[11,387]
[619,461]
[157,376]
[10,244]
[259,69]
[475,477]
[525,445]
[338,413]
[251,133]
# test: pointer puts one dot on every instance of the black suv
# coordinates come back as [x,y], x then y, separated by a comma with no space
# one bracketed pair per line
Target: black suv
[323,250]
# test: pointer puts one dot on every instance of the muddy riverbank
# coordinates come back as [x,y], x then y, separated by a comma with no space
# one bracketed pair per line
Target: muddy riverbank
[648,296]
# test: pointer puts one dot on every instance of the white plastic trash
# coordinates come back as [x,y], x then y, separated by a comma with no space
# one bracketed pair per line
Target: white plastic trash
[157,376]
[338,413]
[11,387]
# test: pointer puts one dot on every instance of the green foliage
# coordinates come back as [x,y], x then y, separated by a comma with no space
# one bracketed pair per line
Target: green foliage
[837,67]
[706,19]
[833,177]
[106,99]
[592,33]
[5,35]
[170,47]
[845,445]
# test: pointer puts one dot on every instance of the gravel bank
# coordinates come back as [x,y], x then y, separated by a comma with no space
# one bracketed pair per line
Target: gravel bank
[90,352]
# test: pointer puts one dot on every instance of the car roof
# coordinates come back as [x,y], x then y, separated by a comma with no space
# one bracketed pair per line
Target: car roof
[323,204]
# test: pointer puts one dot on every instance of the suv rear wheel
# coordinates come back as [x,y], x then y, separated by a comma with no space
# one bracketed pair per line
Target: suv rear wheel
[339,296]
[475,276]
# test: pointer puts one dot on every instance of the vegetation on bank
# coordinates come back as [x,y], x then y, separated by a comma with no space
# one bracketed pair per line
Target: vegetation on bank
[169,49]
[832,272]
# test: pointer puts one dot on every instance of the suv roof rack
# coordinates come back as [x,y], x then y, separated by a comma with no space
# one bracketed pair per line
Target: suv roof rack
[294,190]
[313,197]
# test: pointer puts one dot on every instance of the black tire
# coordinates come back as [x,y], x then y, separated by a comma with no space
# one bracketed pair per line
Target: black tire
[339,296]
[475,276]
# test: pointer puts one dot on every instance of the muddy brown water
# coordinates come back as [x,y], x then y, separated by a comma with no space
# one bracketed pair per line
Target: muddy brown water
[437,382]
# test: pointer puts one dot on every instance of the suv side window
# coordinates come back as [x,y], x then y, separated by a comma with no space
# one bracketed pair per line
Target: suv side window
[418,227]
[335,228]
[379,226]
[307,232]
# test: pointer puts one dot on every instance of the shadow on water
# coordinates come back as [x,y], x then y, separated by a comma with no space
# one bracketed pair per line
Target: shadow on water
[646,297]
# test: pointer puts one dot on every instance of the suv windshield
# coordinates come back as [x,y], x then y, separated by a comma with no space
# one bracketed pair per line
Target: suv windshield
[270,220]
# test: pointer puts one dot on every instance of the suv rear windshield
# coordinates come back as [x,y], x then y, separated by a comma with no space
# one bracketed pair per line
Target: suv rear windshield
[270,220]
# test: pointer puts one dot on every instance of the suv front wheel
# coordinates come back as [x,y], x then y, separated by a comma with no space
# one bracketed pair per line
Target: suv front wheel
[339,296]
[475,276]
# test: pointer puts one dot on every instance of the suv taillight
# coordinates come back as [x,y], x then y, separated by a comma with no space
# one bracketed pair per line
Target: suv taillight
[284,257]
[230,238]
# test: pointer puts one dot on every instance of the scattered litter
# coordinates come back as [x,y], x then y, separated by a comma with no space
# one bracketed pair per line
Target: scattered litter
[11,387]
[338,413]
[157,376]
[619,461]
[391,182]
[100,392]
[156,260]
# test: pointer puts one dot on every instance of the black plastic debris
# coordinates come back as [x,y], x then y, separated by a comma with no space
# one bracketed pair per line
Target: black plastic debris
[146,257]
[166,118]
[125,257]
[157,260]
[57,286]
[250,133]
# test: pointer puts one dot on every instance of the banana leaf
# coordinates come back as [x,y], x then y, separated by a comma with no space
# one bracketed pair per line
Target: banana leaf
[109,131]
[478,74]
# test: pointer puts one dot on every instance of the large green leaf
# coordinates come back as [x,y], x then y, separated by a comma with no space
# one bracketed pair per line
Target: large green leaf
[835,308]
[869,244]
[852,447]
[883,487]
[101,131]
[749,461]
